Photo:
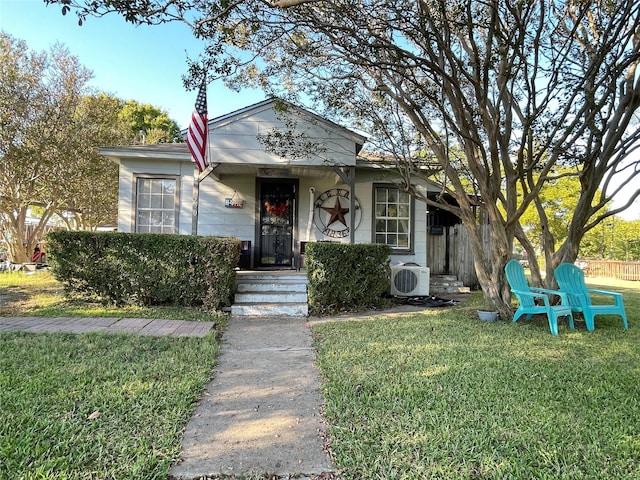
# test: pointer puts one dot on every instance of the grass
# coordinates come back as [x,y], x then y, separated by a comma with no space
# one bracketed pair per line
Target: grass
[94,406]
[443,395]
[41,295]
[97,406]
[432,395]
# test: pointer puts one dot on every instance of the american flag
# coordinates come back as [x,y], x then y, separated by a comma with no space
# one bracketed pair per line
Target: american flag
[197,134]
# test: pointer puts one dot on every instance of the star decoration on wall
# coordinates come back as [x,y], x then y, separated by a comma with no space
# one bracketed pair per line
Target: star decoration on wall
[337,213]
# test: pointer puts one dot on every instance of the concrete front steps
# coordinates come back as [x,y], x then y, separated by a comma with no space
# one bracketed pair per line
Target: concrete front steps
[270,294]
[444,284]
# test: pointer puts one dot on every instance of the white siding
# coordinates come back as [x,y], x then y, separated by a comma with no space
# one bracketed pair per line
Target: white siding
[130,169]
[216,219]
[225,139]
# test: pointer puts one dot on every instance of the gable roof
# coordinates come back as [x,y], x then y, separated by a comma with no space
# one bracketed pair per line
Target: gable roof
[180,151]
[279,105]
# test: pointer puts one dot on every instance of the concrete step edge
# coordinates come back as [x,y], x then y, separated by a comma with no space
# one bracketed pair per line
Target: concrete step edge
[258,297]
[265,310]
[271,287]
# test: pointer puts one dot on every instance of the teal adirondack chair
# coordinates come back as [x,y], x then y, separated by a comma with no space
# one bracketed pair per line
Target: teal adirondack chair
[536,300]
[571,281]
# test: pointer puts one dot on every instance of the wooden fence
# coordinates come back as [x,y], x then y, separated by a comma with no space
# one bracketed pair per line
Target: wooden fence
[613,269]
[449,253]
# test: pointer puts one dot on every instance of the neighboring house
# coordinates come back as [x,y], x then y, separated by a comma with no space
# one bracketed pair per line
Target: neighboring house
[280,178]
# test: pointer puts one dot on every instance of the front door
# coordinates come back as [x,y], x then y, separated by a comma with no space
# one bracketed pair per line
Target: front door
[277,222]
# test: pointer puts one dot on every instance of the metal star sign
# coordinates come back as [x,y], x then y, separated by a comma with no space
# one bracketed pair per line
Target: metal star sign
[337,213]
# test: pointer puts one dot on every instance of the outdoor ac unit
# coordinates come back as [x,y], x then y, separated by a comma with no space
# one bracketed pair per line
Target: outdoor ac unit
[409,281]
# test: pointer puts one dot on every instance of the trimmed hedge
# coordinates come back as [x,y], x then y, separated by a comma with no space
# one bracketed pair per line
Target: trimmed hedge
[145,269]
[346,277]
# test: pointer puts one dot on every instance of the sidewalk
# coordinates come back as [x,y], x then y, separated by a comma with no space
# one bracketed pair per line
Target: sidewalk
[142,326]
[260,414]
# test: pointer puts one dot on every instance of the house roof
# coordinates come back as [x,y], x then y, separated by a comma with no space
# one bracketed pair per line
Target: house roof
[278,104]
[180,151]
[160,151]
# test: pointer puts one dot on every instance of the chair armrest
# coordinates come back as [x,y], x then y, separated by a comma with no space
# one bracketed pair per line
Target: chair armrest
[605,292]
[564,300]
[617,297]
[532,294]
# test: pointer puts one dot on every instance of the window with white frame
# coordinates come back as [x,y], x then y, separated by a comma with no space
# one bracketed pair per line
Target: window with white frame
[392,222]
[156,205]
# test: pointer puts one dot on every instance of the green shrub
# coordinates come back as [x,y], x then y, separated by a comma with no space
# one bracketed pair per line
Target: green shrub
[346,277]
[145,269]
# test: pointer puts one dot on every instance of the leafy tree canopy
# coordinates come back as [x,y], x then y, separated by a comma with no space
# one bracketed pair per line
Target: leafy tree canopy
[51,127]
[519,87]
[154,122]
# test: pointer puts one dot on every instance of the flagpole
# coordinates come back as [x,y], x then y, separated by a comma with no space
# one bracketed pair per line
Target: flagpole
[197,178]
[197,134]
[196,201]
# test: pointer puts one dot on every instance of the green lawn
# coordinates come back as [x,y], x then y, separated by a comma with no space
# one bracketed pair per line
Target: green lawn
[40,295]
[432,395]
[94,406]
[443,395]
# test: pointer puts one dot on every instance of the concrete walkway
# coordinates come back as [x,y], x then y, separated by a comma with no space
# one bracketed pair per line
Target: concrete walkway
[260,414]
[142,326]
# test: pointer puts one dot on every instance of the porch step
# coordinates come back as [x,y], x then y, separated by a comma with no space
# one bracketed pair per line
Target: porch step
[446,284]
[270,310]
[271,286]
[270,294]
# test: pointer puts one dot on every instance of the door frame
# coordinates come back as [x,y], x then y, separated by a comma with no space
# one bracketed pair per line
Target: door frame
[294,257]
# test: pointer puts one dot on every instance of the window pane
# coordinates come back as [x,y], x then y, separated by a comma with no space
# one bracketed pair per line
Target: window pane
[168,202]
[144,186]
[155,204]
[167,219]
[143,218]
[392,217]
[169,187]
[156,218]
[144,200]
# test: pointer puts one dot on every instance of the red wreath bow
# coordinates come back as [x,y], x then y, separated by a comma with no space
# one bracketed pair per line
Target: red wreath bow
[278,210]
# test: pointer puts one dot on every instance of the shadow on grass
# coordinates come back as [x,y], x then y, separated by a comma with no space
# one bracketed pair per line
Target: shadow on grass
[441,394]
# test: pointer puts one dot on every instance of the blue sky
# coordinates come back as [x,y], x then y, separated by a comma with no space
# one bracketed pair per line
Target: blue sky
[142,63]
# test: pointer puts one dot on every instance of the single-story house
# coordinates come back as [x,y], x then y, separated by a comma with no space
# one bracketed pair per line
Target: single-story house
[278,178]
